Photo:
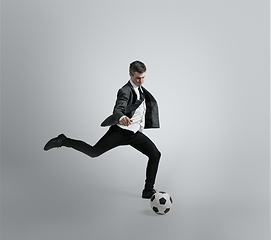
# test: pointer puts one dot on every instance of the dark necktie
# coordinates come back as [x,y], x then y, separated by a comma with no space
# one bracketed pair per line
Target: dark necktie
[134,106]
[142,97]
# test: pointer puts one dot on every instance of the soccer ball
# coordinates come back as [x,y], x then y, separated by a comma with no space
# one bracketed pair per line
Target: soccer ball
[161,202]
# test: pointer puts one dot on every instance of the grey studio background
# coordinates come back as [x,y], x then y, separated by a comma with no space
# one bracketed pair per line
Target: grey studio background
[62,63]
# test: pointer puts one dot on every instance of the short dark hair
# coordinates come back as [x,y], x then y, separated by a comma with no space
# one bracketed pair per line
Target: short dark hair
[137,66]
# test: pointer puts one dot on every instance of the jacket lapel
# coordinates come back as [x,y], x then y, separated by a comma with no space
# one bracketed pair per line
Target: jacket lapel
[134,98]
[133,103]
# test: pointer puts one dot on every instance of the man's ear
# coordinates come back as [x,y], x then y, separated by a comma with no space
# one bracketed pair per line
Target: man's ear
[131,75]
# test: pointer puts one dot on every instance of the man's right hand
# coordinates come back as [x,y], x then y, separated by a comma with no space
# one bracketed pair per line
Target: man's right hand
[126,121]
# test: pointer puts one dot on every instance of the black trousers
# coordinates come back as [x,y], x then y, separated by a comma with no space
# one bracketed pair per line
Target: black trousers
[117,136]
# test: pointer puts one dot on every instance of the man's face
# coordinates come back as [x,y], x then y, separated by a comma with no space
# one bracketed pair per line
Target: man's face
[138,78]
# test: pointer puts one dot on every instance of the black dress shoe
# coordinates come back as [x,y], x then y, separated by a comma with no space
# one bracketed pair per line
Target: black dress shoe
[55,142]
[148,193]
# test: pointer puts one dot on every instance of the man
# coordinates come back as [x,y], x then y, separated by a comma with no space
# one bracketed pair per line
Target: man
[135,109]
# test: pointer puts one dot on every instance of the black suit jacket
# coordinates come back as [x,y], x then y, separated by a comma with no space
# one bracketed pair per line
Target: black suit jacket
[126,98]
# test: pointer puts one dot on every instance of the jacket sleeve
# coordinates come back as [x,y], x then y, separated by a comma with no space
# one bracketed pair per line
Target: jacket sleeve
[121,104]
[119,109]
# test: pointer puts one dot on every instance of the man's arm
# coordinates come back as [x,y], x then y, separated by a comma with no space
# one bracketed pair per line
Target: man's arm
[121,103]
[119,115]
[125,121]
[120,106]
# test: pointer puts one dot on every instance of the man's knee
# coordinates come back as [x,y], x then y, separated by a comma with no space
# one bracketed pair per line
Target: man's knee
[95,153]
[156,155]
[159,154]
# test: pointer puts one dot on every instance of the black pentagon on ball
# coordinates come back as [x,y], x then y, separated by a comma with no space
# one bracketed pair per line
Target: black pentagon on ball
[162,201]
[153,197]
[162,192]
[171,200]
[155,209]
[167,210]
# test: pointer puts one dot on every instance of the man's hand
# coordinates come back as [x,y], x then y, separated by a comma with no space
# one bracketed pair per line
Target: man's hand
[126,121]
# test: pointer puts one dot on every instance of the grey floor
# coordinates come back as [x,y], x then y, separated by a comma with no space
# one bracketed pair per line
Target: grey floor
[67,196]
[122,214]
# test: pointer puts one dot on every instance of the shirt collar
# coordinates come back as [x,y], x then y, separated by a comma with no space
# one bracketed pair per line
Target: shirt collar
[134,86]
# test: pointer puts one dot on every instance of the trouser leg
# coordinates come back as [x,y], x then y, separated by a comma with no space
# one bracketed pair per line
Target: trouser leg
[143,144]
[110,140]
[116,136]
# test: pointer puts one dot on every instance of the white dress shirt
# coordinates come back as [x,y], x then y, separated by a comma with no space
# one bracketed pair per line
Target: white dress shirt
[139,115]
